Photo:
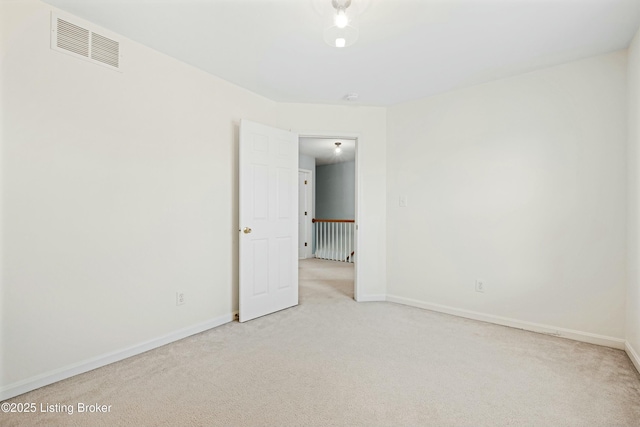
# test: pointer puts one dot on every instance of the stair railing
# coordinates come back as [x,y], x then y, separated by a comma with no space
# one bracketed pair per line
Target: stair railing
[335,239]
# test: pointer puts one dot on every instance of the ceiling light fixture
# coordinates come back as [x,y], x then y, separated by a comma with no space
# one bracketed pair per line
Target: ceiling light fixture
[338,150]
[341,19]
[342,33]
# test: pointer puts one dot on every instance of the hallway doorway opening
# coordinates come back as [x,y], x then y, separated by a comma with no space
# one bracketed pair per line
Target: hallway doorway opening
[328,200]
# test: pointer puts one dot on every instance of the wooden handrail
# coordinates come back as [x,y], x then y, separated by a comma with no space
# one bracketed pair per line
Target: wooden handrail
[332,220]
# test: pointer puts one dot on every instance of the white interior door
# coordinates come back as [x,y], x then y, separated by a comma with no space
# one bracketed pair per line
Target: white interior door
[268,220]
[304,214]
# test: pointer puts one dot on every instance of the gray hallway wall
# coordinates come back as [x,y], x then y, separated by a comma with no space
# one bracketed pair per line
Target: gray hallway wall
[335,191]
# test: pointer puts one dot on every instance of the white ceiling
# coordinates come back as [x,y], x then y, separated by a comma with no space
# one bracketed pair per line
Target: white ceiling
[323,150]
[407,49]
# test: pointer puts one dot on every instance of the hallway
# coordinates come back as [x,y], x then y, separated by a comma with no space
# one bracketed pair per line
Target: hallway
[322,280]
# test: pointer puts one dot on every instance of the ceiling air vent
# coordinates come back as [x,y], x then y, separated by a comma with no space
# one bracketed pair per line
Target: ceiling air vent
[83,42]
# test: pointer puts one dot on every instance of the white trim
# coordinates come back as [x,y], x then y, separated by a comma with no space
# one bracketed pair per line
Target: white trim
[73,369]
[635,359]
[514,323]
[358,138]
[371,298]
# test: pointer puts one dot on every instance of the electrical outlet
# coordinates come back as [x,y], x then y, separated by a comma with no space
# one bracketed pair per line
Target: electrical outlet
[180,298]
[480,285]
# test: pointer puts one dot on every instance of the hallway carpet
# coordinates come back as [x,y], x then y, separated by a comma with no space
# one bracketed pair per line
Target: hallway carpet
[333,362]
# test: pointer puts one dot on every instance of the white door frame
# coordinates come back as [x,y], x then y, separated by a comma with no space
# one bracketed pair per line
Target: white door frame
[307,220]
[358,139]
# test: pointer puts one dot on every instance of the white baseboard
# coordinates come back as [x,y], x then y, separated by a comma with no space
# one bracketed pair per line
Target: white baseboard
[632,355]
[514,323]
[68,371]
[371,298]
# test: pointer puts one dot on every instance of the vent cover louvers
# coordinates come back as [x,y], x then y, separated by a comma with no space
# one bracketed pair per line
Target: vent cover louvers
[105,50]
[84,43]
[73,38]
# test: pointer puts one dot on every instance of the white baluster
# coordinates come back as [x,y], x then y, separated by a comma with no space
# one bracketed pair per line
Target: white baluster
[324,240]
[342,241]
[333,241]
[320,243]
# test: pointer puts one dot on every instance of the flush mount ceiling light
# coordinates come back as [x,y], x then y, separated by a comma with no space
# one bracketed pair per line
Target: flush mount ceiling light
[342,33]
[351,97]
[338,150]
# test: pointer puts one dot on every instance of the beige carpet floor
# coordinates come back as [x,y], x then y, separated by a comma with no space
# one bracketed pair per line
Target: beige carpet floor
[333,362]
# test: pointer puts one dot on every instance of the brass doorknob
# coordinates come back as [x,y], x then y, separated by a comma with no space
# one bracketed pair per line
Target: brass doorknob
[247,230]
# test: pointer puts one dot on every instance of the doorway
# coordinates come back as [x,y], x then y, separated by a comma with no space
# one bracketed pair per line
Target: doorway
[333,205]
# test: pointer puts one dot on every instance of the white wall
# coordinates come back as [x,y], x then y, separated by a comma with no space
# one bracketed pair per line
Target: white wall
[370,124]
[119,189]
[519,182]
[633,289]
[307,162]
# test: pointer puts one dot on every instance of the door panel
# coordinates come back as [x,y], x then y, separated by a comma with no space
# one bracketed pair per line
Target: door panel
[268,220]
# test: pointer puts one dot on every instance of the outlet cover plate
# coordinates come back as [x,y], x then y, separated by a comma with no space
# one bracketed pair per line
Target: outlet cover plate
[180,298]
